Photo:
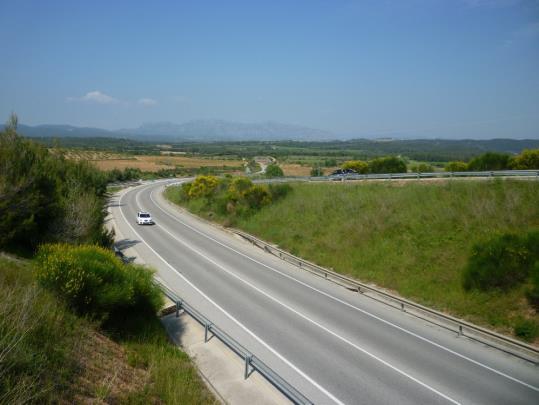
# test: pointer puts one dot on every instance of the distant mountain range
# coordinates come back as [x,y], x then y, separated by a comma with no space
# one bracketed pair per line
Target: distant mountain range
[201,130]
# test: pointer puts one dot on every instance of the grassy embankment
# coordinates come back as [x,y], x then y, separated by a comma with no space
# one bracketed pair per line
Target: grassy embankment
[413,238]
[49,355]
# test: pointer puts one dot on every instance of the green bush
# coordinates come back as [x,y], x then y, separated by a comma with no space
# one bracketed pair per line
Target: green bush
[203,186]
[357,165]
[390,164]
[422,168]
[456,167]
[489,161]
[274,171]
[256,197]
[238,186]
[527,160]
[278,191]
[526,329]
[94,282]
[501,262]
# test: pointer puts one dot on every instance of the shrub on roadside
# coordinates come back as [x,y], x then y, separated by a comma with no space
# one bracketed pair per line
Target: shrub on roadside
[527,160]
[278,191]
[526,329]
[489,161]
[501,262]
[389,164]
[92,281]
[203,186]
[274,171]
[238,186]
[456,167]
[358,166]
[256,197]
[422,168]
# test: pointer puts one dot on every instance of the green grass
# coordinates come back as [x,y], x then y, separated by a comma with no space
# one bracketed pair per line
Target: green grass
[413,238]
[174,379]
[42,345]
[38,339]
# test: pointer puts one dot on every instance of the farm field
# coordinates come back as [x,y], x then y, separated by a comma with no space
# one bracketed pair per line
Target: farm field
[150,163]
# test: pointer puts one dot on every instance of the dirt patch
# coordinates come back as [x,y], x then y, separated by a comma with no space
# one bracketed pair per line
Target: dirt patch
[106,376]
[293,169]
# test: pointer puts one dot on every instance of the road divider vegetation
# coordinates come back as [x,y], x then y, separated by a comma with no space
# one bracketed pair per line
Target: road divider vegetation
[226,199]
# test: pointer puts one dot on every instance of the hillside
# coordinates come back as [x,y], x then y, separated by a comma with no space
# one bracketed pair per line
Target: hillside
[409,237]
[49,355]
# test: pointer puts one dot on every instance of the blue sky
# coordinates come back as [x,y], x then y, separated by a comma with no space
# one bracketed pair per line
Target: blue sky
[426,68]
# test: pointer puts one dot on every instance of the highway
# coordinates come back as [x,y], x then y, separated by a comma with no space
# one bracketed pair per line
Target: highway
[334,345]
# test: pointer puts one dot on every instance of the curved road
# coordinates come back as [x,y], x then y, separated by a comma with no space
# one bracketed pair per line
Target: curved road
[333,345]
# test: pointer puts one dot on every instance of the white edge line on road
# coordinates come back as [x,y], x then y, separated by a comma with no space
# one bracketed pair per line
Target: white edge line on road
[500,373]
[319,325]
[267,346]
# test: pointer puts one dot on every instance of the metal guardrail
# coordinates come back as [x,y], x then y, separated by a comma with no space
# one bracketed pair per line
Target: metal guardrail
[251,361]
[459,326]
[401,176]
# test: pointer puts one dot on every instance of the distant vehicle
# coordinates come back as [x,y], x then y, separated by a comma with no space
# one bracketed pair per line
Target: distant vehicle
[144,218]
[342,173]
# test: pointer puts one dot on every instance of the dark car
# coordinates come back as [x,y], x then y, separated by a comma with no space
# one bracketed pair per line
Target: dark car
[342,173]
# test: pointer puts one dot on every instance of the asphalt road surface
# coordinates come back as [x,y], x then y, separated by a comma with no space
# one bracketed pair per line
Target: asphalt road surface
[333,345]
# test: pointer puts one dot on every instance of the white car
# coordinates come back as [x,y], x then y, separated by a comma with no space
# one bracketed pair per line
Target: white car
[144,218]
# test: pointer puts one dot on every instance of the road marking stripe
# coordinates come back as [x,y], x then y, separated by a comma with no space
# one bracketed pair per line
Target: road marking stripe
[262,342]
[500,373]
[343,339]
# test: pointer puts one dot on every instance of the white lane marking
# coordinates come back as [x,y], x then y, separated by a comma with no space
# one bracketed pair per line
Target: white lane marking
[262,342]
[500,373]
[343,339]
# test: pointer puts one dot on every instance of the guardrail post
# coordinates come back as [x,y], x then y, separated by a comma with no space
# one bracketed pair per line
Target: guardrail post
[418,175]
[178,307]
[461,333]
[206,329]
[248,359]
[402,306]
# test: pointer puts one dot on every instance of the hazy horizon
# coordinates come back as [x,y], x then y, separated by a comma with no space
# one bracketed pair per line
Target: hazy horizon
[417,69]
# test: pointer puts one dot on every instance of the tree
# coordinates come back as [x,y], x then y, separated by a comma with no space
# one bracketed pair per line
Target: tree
[274,171]
[490,161]
[389,164]
[456,167]
[357,165]
[527,160]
